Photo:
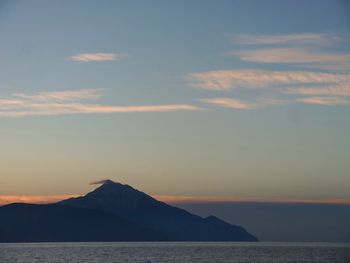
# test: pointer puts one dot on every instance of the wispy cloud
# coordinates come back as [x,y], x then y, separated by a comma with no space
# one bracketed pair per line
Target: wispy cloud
[306,50]
[61,96]
[325,100]
[231,79]
[271,87]
[342,89]
[327,89]
[72,102]
[89,57]
[234,103]
[290,55]
[302,38]
[231,103]
[100,181]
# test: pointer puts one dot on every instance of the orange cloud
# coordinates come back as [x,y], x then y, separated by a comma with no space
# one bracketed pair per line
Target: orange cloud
[178,199]
[37,199]
[174,199]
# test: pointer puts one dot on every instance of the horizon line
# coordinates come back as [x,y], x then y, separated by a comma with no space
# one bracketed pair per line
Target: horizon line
[177,199]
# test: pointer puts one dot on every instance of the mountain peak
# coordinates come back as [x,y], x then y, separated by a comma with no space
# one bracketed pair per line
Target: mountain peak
[113,196]
[108,181]
[177,224]
[111,187]
[104,181]
[112,183]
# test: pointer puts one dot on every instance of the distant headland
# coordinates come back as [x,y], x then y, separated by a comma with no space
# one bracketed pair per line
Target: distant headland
[112,212]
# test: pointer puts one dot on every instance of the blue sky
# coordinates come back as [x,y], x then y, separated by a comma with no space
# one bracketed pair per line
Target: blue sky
[234,99]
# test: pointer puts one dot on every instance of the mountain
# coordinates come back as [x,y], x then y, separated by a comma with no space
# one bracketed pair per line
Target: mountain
[112,212]
[139,208]
[54,223]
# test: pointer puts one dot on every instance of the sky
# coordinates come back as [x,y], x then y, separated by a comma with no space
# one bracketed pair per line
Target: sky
[200,100]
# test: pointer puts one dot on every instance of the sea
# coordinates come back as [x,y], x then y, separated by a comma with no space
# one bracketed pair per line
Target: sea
[170,252]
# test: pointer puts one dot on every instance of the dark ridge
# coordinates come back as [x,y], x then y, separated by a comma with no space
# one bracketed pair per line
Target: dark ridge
[112,212]
[55,223]
[142,209]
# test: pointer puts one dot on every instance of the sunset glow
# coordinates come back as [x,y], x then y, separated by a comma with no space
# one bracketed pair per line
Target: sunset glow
[178,199]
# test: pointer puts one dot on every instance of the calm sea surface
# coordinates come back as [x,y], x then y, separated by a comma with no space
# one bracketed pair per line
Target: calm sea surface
[175,252]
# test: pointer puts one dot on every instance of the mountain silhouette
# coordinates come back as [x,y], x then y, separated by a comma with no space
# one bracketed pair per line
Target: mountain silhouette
[54,223]
[112,212]
[140,208]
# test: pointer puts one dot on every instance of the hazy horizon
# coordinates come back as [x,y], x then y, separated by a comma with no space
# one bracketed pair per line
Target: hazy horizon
[277,221]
